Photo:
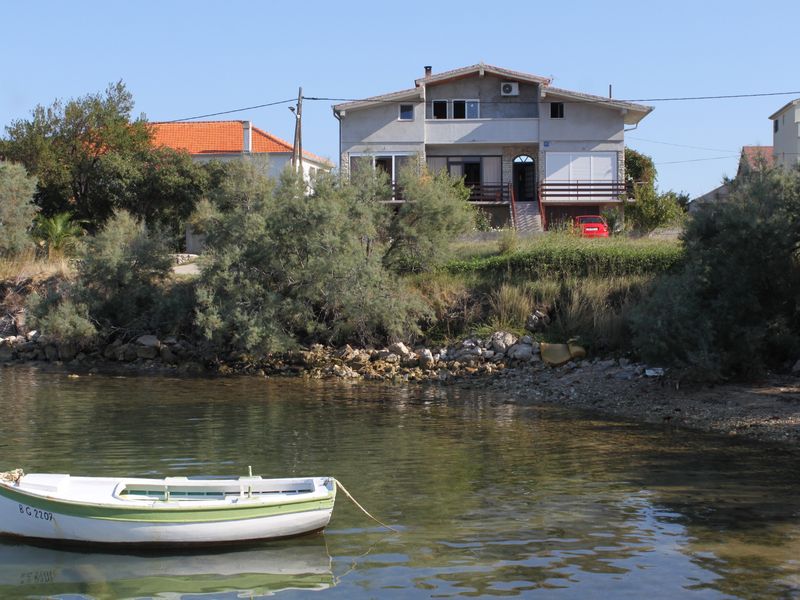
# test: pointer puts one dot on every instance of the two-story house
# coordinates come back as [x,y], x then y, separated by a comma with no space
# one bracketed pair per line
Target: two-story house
[532,154]
[786,134]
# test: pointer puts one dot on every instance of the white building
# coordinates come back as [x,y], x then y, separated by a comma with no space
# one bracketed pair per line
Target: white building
[786,134]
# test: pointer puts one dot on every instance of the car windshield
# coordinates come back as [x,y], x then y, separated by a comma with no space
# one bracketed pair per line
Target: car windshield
[590,219]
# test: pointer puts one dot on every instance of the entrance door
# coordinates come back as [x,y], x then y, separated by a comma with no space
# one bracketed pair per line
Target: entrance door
[524,176]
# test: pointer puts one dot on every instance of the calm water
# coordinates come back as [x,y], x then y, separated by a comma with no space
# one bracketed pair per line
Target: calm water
[492,499]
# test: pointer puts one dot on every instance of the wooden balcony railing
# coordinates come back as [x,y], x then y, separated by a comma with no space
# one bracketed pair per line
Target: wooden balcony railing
[586,191]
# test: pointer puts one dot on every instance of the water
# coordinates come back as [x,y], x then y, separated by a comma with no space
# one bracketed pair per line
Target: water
[492,499]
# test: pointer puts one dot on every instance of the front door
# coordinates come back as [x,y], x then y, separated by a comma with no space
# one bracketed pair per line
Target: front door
[524,174]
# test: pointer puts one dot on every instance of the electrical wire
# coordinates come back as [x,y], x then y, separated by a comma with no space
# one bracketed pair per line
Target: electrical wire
[235,110]
[675,162]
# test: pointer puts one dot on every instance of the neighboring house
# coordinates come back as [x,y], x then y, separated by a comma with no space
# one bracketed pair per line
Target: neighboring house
[231,140]
[786,134]
[751,158]
[532,154]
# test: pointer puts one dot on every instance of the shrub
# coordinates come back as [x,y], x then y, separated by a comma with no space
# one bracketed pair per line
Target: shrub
[61,319]
[652,210]
[16,208]
[509,307]
[508,242]
[733,310]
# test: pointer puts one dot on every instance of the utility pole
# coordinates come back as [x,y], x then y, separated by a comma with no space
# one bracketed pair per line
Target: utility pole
[297,148]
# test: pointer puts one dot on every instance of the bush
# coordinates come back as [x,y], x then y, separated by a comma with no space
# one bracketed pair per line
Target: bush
[285,267]
[652,210]
[16,208]
[61,320]
[508,242]
[509,308]
[733,310]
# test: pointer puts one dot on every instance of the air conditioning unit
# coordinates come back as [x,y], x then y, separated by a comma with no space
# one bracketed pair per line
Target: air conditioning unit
[509,88]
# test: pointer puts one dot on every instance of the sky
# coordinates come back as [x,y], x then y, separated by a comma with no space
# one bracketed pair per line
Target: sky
[181,59]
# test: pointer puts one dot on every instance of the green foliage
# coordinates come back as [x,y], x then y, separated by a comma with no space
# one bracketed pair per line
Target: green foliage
[652,210]
[285,267]
[639,169]
[615,219]
[91,158]
[565,255]
[508,243]
[59,234]
[16,208]
[509,307]
[122,276]
[61,319]
[733,310]
[435,213]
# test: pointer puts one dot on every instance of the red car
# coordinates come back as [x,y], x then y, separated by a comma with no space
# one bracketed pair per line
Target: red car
[591,226]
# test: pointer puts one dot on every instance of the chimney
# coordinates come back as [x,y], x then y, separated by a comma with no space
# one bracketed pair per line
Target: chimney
[428,70]
[247,130]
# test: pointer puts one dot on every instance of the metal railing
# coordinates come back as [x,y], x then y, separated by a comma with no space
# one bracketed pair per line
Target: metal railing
[484,193]
[582,190]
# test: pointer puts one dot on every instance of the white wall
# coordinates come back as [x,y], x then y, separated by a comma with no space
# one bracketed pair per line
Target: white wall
[786,141]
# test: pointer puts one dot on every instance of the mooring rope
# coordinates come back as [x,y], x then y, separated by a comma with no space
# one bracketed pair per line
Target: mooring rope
[364,510]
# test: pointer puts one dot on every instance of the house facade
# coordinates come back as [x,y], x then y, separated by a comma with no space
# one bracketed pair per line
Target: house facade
[786,134]
[232,140]
[531,153]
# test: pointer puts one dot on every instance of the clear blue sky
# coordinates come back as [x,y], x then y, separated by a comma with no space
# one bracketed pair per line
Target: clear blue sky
[181,59]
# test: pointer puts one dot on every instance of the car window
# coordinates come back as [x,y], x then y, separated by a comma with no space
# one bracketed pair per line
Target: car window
[590,219]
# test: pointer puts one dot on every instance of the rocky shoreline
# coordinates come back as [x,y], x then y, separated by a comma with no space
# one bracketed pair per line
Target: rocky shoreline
[510,368]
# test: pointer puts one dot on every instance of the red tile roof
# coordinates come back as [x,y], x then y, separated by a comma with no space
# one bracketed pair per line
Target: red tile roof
[219,137]
[755,156]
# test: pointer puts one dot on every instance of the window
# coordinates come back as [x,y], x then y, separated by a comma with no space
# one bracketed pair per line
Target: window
[775,126]
[556,110]
[465,109]
[440,109]
[406,112]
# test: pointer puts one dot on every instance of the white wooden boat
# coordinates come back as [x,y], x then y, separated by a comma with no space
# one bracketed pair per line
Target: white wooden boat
[173,510]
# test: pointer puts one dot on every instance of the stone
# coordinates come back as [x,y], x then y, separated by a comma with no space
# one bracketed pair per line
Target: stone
[148,341]
[110,352]
[168,356]
[426,359]
[526,339]
[796,368]
[147,352]
[127,353]
[520,352]
[51,352]
[537,321]
[501,341]
[33,336]
[170,341]
[6,353]
[624,362]
[67,351]
[399,348]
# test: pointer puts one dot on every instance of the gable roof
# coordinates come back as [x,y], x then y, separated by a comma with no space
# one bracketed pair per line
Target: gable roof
[220,137]
[754,157]
[634,112]
[778,112]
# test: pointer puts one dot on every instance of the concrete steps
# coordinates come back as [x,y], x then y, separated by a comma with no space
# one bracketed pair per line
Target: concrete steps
[528,218]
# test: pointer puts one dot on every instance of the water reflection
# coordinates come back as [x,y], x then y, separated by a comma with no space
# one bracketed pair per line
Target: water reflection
[492,498]
[32,571]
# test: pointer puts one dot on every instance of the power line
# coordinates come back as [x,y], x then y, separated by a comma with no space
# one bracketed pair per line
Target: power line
[630,137]
[675,162]
[235,110]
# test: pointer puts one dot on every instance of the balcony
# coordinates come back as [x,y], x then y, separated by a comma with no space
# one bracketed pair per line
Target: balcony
[583,192]
[486,194]
[481,131]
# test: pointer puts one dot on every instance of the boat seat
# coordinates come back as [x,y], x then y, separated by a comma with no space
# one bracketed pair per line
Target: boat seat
[45,482]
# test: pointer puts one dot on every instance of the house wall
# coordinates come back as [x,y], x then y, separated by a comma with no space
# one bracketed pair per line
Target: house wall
[786,141]
[487,89]
[583,121]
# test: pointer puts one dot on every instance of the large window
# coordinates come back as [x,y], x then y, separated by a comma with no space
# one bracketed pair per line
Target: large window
[466,109]
[406,112]
[440,109]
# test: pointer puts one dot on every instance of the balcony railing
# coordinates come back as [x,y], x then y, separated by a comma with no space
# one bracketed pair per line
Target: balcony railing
[583,191]
[484,193]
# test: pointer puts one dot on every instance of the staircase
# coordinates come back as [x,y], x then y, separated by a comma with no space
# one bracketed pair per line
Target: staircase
[528,219]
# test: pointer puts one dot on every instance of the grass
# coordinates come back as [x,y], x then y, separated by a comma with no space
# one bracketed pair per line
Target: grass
[27,266]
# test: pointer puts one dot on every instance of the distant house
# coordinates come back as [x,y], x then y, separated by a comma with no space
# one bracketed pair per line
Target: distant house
[786,134]
[231,140]
[531,153]
[750,158]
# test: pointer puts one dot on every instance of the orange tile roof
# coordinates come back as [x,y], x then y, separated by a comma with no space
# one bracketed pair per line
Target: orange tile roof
[219,137]
[754,156]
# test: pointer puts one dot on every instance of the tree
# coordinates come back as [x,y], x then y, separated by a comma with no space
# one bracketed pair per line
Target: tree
[16,208]
[285,266]
[652,210]
[91,158]
[639,169]
[58,234]
[732,311]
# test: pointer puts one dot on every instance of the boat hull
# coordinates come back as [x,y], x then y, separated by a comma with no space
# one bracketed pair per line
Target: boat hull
[34,516]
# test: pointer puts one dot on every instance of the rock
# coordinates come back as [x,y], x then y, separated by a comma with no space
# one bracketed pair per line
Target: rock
[409,361]
[33,336]
[426,359]
[392,358]
[654,372]
[170,341]
[147,352]
[520,352]
[399,348]
[51,352]
[576,351]
[624,362]
[6,353]
[127,353]
[796,368]
[67,351]
[148,341]
[537,321]
[526,339]
[555,355]
[501,341]
[168,356]
[110,352]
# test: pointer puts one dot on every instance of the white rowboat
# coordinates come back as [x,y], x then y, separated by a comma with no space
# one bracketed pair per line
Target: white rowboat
[162,512]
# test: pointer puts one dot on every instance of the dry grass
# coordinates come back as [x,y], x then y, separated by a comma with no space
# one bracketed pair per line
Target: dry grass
[510,306]
[27,267]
